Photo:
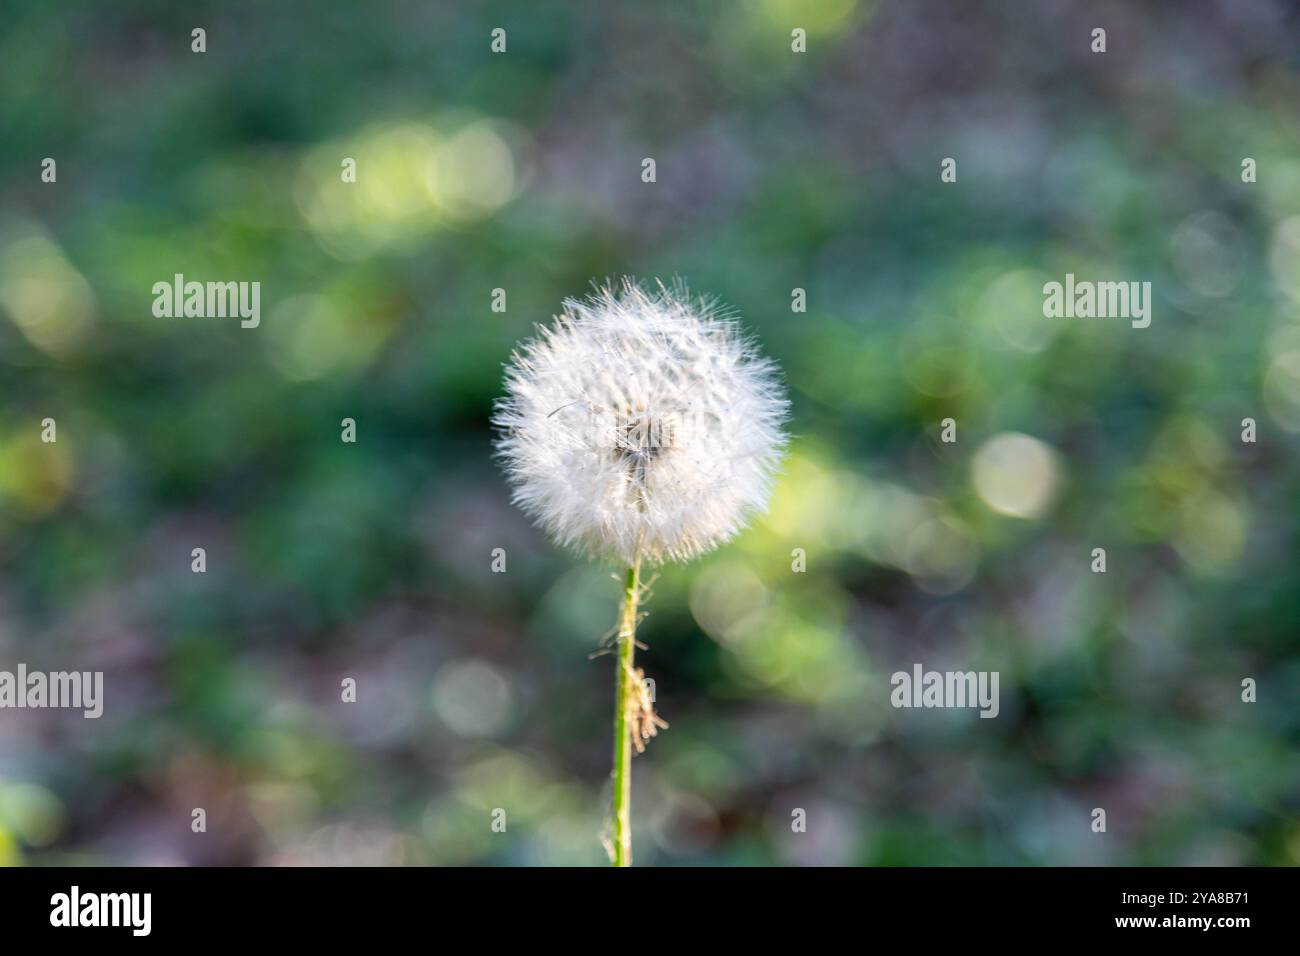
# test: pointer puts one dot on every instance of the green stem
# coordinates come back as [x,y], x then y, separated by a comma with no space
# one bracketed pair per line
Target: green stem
[622,732]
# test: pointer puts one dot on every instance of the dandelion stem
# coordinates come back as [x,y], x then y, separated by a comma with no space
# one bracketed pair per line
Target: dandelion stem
[622,850]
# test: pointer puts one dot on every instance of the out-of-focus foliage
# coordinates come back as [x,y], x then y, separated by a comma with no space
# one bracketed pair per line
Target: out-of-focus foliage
[775,170]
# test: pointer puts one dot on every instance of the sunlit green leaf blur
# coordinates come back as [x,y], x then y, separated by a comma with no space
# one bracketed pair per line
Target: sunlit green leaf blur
[776,171]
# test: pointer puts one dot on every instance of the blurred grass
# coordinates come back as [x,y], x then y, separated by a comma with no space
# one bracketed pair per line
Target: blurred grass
[372,560]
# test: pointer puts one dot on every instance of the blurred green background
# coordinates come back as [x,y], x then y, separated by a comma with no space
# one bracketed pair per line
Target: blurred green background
[775,170]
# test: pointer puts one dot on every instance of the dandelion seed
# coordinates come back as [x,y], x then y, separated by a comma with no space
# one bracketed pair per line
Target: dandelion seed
[641,425]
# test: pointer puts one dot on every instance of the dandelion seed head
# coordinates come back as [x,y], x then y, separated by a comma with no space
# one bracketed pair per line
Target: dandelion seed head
[641,424]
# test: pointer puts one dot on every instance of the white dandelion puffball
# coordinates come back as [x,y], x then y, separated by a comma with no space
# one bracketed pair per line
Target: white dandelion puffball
[641,425]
